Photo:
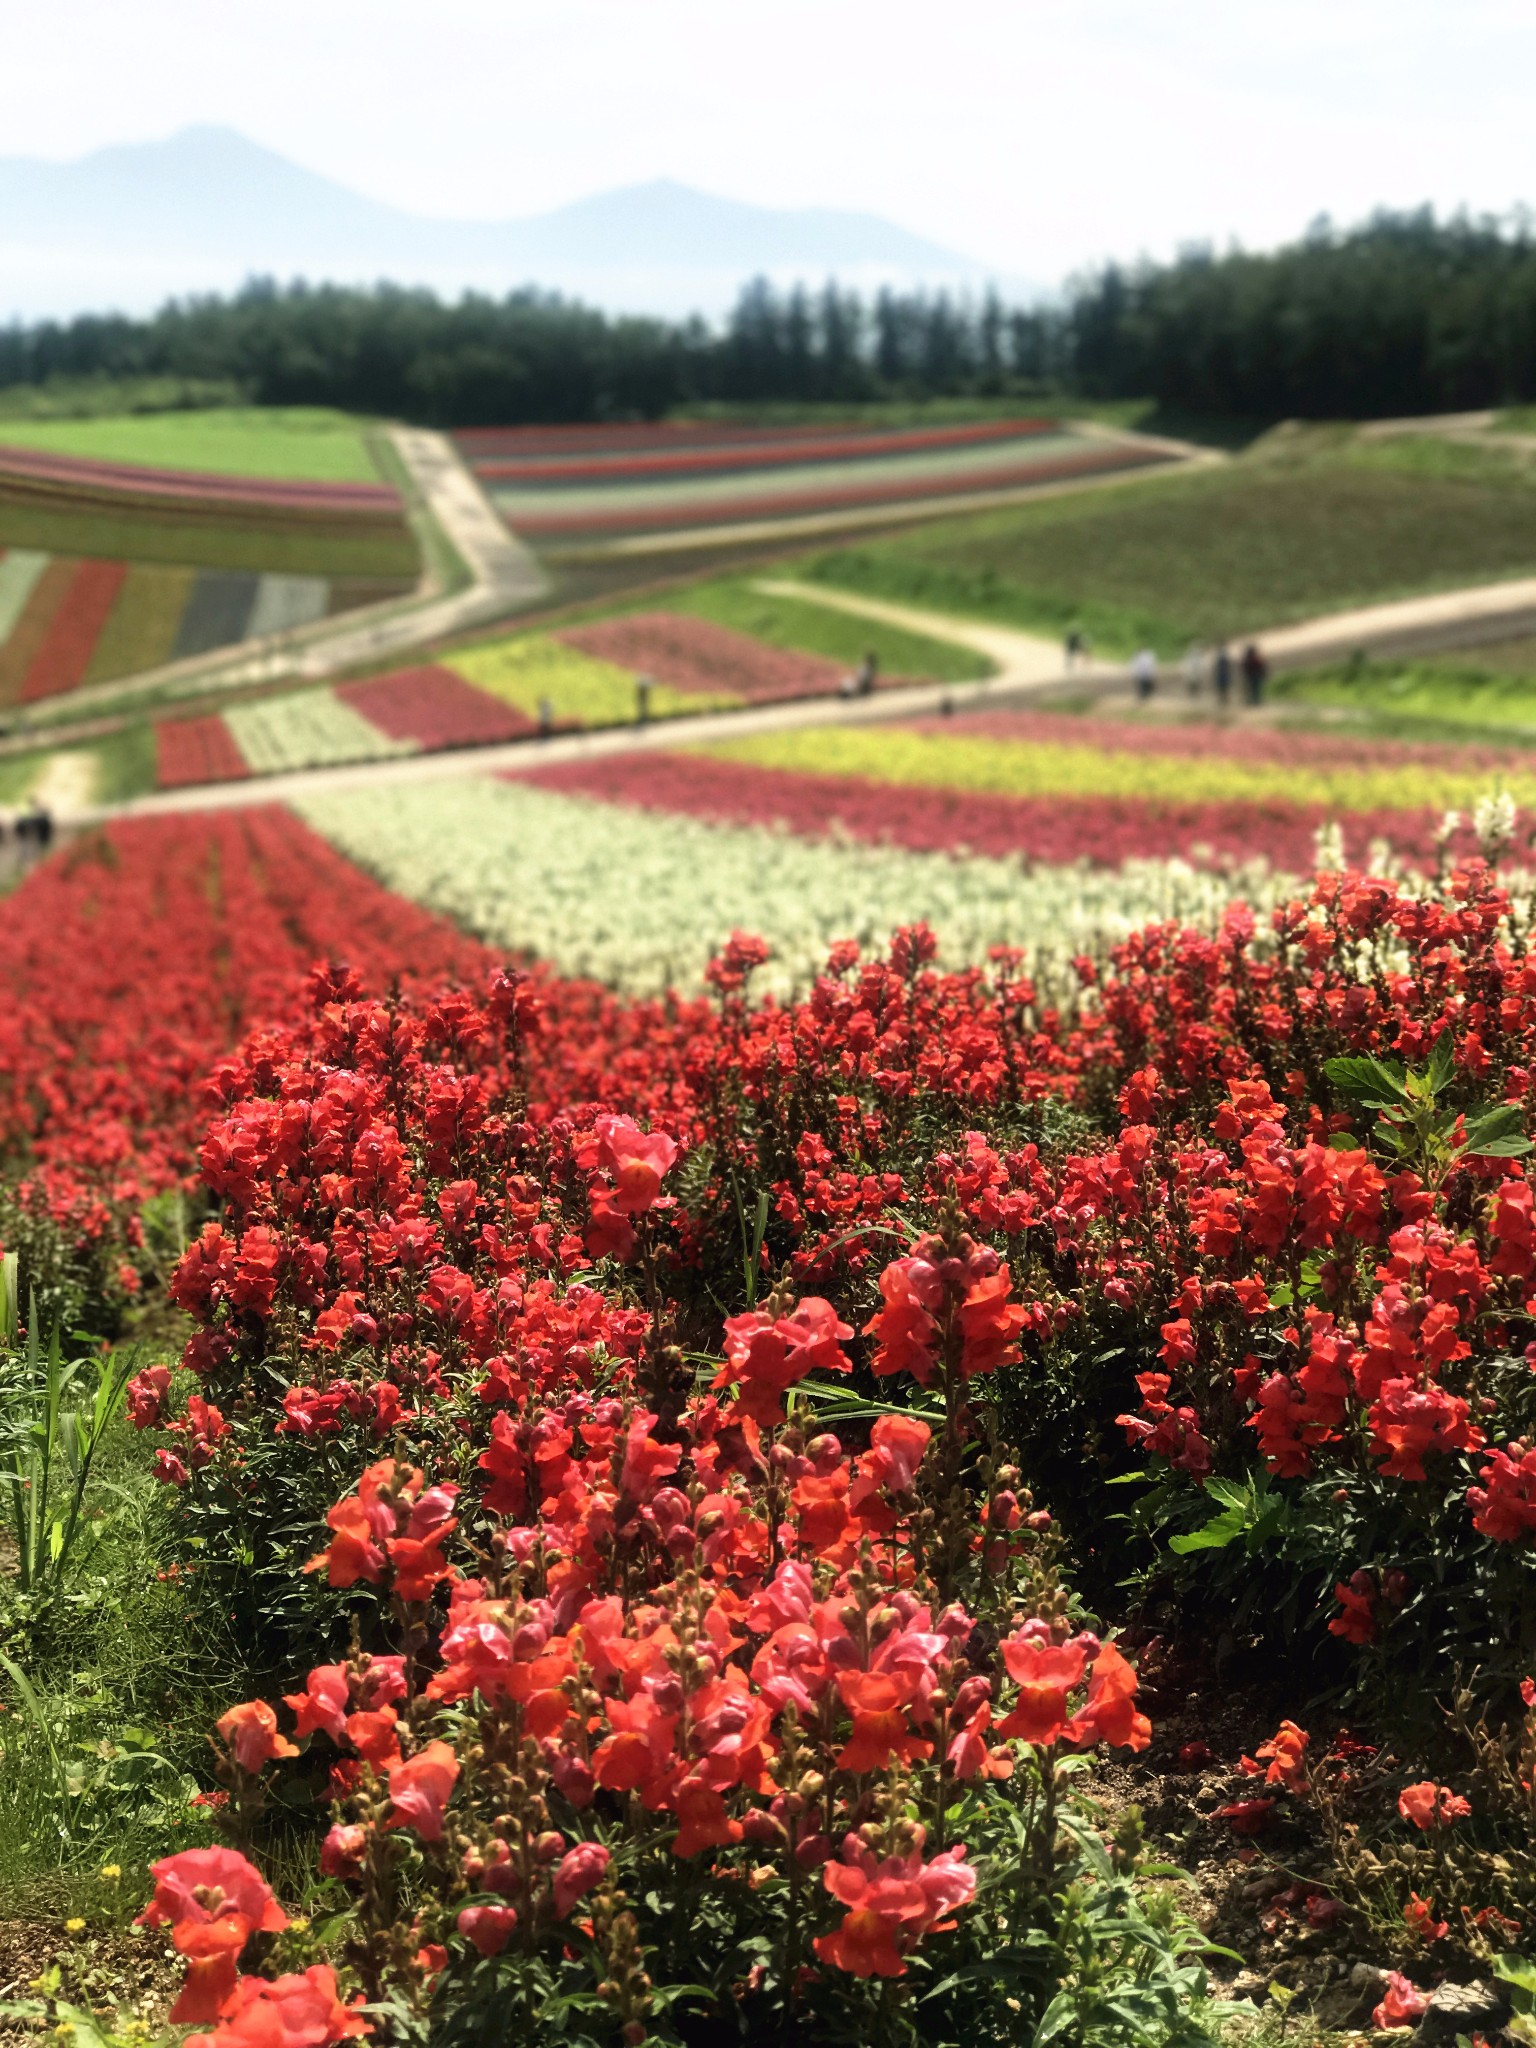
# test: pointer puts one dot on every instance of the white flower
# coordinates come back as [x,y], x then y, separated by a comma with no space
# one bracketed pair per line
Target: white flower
[640,900]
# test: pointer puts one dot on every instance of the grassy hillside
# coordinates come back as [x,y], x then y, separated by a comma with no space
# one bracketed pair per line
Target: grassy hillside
[1302,524]
[816,629]
[211,540]
[307,442]
[1489,691]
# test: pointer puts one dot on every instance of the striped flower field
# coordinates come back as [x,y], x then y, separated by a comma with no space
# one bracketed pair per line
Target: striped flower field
[1056,788]
[67,622]
[578,486]
[640,899]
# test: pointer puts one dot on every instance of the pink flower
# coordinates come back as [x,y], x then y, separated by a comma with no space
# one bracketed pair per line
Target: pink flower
[636,1160]
[323,1702]
[578,1871]
[207,1884]
[488,1927]
[420,1786]
[1403,2002]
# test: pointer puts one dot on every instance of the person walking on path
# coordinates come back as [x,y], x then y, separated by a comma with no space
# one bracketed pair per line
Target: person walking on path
[642,700]
[1074,648]
[1255,674]
[1144,673]
[869,668]
[1221,676]
[1194,669]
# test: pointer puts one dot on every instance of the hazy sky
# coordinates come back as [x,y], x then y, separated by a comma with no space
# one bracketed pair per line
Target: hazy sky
[1035,134]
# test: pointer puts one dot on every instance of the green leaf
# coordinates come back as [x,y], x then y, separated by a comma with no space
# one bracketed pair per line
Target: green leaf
[1216,1535]
[1442,1063]
[1519,1972]
[1497,1132]
[1368,1080]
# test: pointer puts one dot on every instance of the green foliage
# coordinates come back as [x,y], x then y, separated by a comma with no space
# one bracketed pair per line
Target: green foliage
[1416,1123]
[1074,1937]
[52,1421]
[1489,692]
[125,763]
[1403,315]
[86,398]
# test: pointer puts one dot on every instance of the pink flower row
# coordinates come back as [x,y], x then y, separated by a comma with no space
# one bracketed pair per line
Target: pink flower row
[697,655]
[1104,830]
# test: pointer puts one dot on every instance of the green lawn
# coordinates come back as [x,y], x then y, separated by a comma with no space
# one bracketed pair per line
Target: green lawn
[1486,691]
[295,441]
[816,629]
[1304,524]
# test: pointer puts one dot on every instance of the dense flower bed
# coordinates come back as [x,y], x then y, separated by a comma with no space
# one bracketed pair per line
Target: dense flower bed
[132,960]
[536,668]
[528,456]
[699,657]
[621,1588]
[435,708]
[64,655]
[192,750]
[307,729]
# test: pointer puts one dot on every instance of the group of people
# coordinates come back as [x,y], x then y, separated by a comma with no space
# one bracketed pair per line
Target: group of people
[1200,665]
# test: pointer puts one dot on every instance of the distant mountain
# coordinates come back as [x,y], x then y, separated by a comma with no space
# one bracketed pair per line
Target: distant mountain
[128,226]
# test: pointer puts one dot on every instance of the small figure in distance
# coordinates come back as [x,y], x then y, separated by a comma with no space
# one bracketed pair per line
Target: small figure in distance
[848,684]
[1255,673]
[1194,669]
[43,826]
[642,700]
[1075,648]
[1221,675]
[1144,673]
[869,668]
[546,717]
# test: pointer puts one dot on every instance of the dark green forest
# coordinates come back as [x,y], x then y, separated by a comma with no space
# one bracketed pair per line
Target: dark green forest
[1404,314]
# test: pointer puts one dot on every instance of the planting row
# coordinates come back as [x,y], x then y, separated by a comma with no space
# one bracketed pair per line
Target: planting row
[607,506]
[1055,788]
[638,900]
[66,622]
[573,455]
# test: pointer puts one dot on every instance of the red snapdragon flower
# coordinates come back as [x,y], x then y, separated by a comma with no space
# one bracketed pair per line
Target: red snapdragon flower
[1429,1805]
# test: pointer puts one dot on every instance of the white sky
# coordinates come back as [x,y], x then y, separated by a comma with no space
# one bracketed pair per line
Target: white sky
[1034,134]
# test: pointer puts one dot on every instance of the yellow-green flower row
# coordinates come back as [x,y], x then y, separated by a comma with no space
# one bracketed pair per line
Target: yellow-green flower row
[1061,768]
[581,689]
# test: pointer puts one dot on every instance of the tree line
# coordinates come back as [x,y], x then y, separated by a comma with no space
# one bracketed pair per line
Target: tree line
[1403,314]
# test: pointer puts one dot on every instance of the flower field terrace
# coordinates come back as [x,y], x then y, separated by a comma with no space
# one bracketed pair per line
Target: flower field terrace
[698,657]
[481,696]
[581,486]
[671,1445]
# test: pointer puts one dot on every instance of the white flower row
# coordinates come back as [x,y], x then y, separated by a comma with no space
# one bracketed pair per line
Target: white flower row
[640,900]
[307,729]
